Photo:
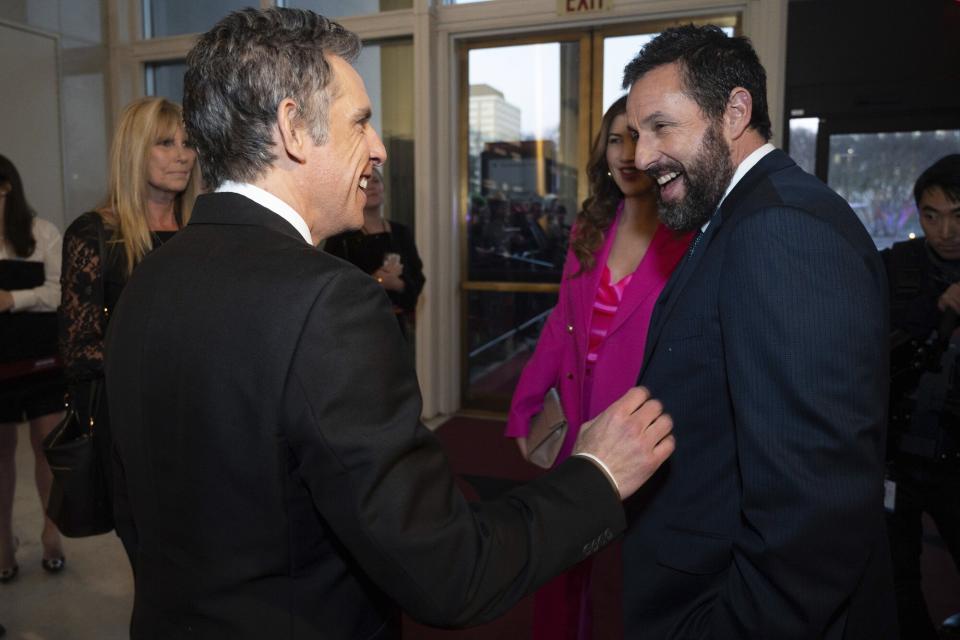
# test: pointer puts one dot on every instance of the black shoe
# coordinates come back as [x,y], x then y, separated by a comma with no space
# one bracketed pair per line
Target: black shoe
[53,565]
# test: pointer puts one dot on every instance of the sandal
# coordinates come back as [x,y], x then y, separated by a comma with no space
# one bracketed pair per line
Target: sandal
[52,559]
[53,565]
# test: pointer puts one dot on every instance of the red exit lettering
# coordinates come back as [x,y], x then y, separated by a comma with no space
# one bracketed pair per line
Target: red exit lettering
[573,6]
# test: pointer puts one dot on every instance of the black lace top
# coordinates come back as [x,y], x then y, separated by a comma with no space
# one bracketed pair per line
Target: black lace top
[85,306]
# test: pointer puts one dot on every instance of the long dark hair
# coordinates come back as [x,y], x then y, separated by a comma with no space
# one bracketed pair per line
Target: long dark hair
[600,207]
[17,214]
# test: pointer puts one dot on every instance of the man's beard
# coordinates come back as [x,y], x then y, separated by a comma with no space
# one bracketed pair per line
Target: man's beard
[706,178]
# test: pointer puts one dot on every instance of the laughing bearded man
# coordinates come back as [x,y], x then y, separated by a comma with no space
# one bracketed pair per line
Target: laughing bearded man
[768,347]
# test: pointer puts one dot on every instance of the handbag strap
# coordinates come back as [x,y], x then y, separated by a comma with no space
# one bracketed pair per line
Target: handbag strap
[104,260]
[93,402]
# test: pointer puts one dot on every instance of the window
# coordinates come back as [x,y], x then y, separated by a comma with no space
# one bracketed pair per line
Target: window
[387,71]
[163,18]
[875,173]
[522,159]
[165,79]
[803,142]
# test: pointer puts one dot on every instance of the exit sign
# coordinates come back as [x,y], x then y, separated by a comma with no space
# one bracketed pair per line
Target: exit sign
[568,7]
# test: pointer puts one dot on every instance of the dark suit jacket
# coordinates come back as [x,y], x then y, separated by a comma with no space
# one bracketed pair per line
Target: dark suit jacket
[769,349]
[274,478]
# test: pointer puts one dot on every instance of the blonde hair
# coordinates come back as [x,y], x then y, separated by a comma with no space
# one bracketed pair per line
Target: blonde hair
[142,123]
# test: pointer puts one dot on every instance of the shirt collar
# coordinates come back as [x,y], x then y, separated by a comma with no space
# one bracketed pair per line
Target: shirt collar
[748,163]
[269,201]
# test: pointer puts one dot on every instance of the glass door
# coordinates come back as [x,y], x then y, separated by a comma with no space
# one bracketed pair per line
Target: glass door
[529,108]
[524,110]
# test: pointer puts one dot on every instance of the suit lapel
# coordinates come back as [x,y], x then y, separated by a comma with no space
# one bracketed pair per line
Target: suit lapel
[676,283]
[773,161]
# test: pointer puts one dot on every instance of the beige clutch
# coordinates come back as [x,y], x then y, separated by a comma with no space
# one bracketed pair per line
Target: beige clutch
[547,430]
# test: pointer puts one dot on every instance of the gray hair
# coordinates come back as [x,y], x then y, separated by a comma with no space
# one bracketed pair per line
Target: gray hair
[240,71]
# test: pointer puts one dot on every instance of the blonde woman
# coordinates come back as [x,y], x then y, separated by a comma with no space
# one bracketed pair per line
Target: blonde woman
[151,193]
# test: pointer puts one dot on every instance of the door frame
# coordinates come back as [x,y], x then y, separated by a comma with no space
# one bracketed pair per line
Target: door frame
[591,40]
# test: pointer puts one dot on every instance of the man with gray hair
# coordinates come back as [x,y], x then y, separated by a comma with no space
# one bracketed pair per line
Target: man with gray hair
[273,477]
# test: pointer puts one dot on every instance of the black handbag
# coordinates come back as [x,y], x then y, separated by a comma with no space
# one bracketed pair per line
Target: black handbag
[80,500]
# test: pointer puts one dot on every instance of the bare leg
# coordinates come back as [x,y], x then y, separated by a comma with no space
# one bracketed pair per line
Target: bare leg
[8,482]
[39,429]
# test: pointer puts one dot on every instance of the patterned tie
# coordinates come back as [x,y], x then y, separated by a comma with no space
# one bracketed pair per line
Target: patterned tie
[696,241]
[700,232]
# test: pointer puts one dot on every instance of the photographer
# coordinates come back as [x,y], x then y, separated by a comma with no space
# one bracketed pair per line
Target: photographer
[924,445]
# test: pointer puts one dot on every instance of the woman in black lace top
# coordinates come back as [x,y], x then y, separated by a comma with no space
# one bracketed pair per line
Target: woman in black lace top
[386,251]
[151,192]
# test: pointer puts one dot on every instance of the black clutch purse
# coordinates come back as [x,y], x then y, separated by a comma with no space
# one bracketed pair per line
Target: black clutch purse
[80,501]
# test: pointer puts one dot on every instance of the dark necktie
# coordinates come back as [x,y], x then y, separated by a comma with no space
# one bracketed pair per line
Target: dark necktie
[696,241]
[700,232]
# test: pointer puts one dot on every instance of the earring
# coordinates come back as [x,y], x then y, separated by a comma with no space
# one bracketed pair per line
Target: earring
[609,174]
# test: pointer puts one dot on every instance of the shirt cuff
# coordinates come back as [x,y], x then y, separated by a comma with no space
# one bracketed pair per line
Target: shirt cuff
[23,299]
[606,471]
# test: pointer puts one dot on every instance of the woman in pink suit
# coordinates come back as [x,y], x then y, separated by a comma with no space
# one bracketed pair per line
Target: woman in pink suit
[591,347]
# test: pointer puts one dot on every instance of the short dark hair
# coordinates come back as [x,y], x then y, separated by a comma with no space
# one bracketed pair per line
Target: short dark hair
[711,66]
[944,173]
[240,71]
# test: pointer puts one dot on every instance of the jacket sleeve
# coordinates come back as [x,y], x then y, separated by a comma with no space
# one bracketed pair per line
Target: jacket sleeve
[82,323]
[381,481]
[122,513]
[542,371]
[803,320]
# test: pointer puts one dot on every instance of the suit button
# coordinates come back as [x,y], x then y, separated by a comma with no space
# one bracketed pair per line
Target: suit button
[569,376]
[569,328]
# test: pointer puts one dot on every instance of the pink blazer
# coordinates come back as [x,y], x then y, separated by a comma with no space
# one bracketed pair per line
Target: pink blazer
[561,354]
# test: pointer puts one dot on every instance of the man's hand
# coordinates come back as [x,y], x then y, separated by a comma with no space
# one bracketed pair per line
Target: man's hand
[950,299]
[632,437]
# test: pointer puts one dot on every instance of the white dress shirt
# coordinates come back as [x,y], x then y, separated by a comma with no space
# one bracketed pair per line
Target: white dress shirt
[748,163]
[48,250]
